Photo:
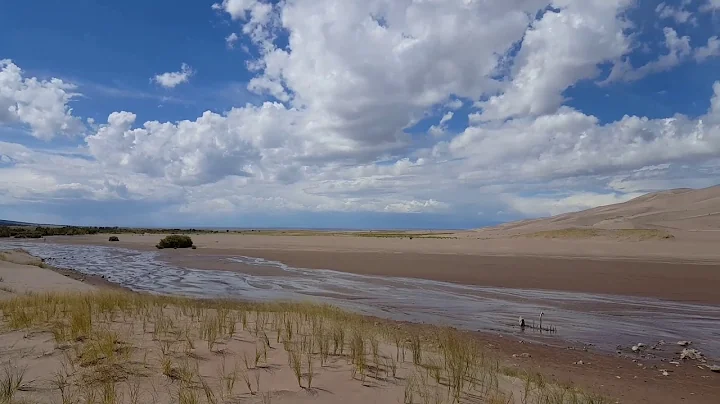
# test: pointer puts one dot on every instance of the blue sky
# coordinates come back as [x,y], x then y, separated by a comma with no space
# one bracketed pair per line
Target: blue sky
[444,114]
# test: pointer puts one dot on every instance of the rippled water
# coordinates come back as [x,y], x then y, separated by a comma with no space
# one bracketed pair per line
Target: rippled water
[603,320]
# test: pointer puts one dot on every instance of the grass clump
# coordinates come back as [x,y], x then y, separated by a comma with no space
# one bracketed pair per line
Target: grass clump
[10,382]
[175,241]
[113,238]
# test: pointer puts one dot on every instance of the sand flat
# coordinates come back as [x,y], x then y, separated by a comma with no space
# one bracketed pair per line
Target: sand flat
[653,268]
[20,274]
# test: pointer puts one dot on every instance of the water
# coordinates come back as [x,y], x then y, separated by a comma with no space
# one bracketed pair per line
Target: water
[602,320]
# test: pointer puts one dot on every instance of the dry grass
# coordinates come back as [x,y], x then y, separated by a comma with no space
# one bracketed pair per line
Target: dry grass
[115,346]
[375,234]
[584,233]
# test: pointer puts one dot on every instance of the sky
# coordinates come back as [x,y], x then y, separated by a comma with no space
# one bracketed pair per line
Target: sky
[351,113]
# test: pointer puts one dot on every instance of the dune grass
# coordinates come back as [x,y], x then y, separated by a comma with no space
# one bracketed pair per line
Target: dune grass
[586,233]
[117,345]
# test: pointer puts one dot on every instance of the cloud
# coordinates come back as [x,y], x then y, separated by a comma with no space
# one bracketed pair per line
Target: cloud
[365,73]
[558,50]
[42,105]
[441,128]
[348,89]
[678,50]
[681,15]
[570,143]
[236,8]
[231,39]
[454,104]
[562,203]
[188,152]
[173,79]
[710,50]
[710,6]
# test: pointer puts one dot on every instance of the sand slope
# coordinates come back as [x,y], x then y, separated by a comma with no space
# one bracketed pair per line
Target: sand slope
[676,209]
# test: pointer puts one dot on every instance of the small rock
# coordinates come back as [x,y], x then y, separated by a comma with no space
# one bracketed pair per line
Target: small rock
[635,348]
[579,363]
[522,355]
[640,345]
[675,363]
[692,354]
[664,372]
[714,368]
[684,343]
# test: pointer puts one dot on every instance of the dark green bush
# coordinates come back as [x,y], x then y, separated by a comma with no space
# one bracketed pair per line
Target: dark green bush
[175,241]
[113,238]
[29,235]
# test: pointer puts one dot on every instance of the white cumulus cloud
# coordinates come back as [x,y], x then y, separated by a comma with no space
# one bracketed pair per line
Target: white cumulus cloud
[173,79]
[558,50]
[42,105]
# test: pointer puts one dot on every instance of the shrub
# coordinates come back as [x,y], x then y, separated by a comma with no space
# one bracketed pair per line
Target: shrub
[175,241]
[113,238]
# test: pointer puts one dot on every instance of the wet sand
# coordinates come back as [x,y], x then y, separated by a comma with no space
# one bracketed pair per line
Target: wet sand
[475,262]
[647,279]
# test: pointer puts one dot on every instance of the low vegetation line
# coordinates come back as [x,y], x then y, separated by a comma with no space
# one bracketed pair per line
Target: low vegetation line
[34,232]
[585,233]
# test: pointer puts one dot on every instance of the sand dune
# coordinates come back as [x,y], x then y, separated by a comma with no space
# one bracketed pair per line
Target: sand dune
[673,210]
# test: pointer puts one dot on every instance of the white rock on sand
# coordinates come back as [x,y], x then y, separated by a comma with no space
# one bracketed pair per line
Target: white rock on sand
[692,354]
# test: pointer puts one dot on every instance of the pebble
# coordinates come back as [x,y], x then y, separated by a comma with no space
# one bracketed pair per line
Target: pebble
[579,363]
[684,343]
[714,368]
[522,355]
[664,373]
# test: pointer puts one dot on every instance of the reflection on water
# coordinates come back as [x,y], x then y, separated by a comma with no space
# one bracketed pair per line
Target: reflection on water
[603,320]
